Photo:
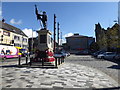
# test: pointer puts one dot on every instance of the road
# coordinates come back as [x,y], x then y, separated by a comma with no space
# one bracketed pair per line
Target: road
[106,66]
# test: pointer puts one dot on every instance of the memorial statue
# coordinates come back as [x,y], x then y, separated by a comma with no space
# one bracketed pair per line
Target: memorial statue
[42,17]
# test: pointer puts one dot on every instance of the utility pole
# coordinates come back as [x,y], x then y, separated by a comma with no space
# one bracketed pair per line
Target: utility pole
[58,32]
[54,32]
[32,40]
[61,38]
[118,37]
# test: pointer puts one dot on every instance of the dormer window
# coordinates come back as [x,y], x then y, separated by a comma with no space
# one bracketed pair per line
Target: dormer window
[14,30]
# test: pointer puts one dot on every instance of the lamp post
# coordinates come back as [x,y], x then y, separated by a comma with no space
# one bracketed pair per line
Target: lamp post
[54,33]
[61,38]
[32,40]
[58,33]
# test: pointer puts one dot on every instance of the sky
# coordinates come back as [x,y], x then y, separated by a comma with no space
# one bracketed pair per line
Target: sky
[74,17]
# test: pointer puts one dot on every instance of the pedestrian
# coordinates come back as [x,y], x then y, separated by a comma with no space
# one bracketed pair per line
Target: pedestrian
[8,51]
[2,52]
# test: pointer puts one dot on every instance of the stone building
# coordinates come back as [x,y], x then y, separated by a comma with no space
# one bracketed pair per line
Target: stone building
[107,40]
[101,37]
[79,42]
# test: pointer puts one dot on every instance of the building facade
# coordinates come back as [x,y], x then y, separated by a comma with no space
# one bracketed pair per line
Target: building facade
[119,12]
[107,40]
[10,35]
[79,42]
[101,37]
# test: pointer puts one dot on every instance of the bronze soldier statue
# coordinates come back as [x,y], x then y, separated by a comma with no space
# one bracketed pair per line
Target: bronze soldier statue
[42,17]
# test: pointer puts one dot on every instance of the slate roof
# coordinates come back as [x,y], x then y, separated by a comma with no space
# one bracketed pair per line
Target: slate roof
[11,28]
[78,36]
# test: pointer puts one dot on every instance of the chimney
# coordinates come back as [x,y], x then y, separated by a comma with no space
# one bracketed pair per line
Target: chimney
[3,20]
[76,33]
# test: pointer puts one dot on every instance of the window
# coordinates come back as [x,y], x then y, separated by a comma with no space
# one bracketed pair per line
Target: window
[16,44]
[43,38]
[6,33]
[16,37]
[24,40]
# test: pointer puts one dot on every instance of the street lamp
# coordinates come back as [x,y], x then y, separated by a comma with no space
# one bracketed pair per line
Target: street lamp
[32,39]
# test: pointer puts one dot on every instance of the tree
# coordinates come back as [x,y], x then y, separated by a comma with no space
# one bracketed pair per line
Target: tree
[94,47]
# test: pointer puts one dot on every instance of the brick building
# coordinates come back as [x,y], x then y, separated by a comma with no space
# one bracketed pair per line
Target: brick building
[79,42]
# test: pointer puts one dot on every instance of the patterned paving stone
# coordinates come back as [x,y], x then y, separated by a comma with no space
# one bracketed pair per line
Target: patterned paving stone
[28,86]
[8,86]
[46,83]
[66,76]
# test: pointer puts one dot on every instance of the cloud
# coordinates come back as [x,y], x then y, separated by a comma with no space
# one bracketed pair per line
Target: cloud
[68,35]
[28,32]
[64,36]
[62,41]
[12,21]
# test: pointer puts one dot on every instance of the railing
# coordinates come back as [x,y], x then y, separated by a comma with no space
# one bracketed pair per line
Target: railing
[58,60]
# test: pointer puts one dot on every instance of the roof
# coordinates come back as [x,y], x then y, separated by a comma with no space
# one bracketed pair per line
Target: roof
[78,36]
[11,28]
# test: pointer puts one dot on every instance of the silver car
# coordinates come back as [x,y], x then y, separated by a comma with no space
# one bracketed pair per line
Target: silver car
[117,57]
[101,55]
[107,55]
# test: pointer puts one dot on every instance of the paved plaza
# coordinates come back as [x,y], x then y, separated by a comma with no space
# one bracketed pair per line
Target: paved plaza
[67,75]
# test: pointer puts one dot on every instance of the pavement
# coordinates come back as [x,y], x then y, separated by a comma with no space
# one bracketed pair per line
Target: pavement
[67,75]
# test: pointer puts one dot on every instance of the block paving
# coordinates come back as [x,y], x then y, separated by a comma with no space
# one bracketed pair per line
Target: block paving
[67,75]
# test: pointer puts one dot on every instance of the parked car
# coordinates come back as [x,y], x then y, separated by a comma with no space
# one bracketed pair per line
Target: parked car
[107,55]
[97,53]
[83,52]
[66,54]
[59,54]
[117,57]
[100,56]
[110,55]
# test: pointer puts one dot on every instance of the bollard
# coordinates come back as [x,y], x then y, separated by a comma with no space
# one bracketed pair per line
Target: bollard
[31,61]
[2,59]
[55,61]
[61,59]
[19,59]
[26,59]
[58,61]
[42,62]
